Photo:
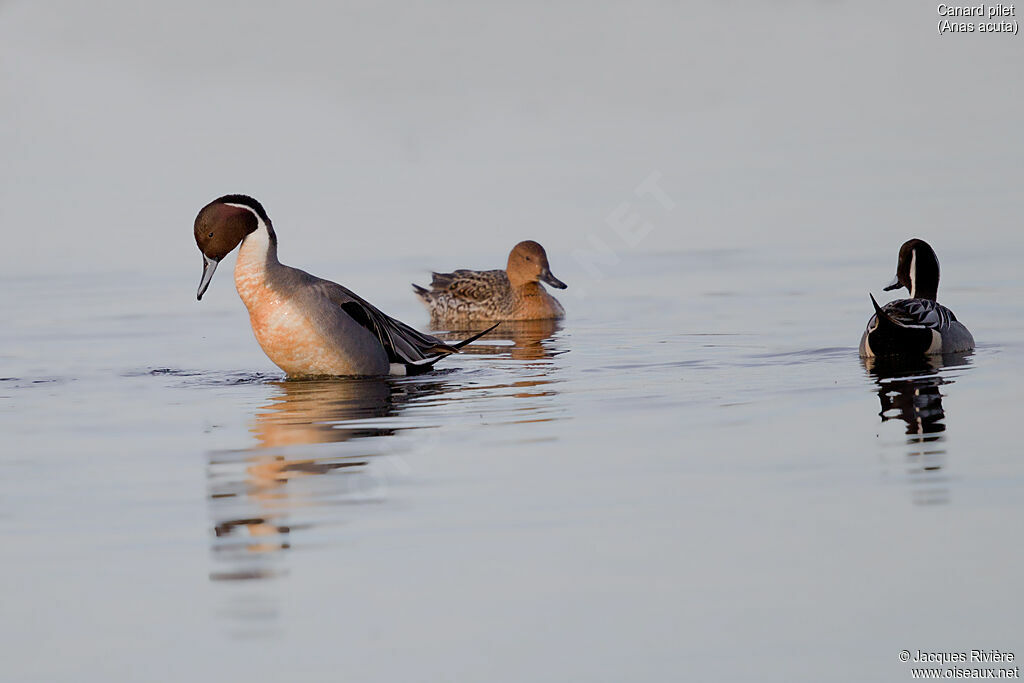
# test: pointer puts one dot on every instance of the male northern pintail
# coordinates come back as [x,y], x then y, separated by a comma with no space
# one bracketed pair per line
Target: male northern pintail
[511,294]
[306,326]
[919,324]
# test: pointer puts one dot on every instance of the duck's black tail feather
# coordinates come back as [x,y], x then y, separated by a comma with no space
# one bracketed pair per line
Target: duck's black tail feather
[884,319]
[421,366]
[476,336]
[427,364]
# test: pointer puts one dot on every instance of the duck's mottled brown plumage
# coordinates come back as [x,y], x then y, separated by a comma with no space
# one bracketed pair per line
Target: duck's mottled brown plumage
[515,293]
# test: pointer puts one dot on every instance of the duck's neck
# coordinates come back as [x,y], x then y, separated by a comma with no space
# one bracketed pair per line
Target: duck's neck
[256,255]
[528,289]
[930,292]
[924,276]
[533,300]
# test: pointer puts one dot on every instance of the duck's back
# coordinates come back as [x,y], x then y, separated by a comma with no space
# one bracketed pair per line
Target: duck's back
[914,326]
[466,295]
[472,285]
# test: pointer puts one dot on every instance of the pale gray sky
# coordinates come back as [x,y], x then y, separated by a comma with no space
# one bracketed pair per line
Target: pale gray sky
[419,130]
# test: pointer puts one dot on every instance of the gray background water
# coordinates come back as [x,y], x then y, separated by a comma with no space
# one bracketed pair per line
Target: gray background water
[687,479]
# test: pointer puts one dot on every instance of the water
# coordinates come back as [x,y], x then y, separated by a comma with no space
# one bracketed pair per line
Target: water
[693,477]
[690,477]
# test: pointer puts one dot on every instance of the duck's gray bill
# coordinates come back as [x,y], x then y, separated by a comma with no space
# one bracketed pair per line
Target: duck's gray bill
[548,278]
[209,266]
[895,284]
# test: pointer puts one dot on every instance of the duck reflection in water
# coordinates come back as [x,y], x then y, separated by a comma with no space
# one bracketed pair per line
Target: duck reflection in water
[532,341]
[340,427]
[909,389]
[311,427]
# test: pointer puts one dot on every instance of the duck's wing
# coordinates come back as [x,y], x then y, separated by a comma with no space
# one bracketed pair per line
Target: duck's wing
[920,313]
[473,285]
[402,343]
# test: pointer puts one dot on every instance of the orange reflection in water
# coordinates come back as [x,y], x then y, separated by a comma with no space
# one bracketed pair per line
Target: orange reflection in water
[337,426]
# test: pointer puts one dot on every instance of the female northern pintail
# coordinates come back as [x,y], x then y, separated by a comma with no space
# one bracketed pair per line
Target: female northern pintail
[919,324]
[511,294]
[306,326]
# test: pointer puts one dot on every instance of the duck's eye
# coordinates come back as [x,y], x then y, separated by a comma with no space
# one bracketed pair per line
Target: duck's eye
[210,235]
[528,258]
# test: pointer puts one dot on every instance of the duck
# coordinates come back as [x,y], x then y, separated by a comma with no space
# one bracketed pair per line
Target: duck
[918,325]
[306,325]
[467,296]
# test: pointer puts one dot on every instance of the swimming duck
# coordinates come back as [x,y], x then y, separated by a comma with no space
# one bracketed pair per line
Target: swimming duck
[511,294]
[305,325]
[919,324]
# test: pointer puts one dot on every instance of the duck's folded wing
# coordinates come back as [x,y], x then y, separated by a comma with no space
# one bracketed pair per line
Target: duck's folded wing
[474,285]
[920,313]
[402,343]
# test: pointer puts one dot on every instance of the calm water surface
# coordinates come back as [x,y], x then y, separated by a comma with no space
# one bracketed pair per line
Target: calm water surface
[693,477]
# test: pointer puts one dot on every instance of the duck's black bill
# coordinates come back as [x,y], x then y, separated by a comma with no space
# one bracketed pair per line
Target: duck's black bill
[209,266]
[895,284]
[549,279]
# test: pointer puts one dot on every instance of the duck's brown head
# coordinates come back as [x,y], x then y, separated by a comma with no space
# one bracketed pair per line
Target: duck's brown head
[221,226]
[528,262]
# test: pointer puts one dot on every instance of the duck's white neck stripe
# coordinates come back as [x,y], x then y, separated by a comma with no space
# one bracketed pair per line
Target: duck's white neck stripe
[259,221]
[257,243]
[913,273]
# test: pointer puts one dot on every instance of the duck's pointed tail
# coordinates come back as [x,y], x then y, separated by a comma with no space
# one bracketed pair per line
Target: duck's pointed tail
[476,336]
[426,364]
[884,319]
